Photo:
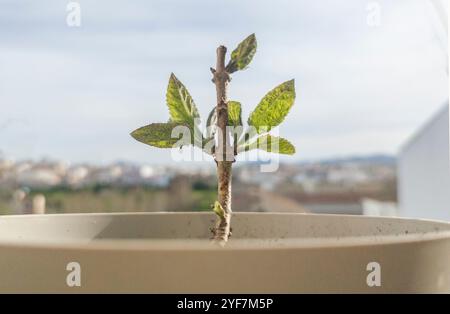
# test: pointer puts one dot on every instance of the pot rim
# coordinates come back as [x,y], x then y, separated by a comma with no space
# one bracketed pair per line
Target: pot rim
[190,245]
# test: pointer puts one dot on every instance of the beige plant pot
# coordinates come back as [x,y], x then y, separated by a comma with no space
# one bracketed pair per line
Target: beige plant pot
[268,252]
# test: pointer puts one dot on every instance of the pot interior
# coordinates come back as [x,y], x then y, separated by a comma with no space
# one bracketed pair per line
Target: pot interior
[82,228]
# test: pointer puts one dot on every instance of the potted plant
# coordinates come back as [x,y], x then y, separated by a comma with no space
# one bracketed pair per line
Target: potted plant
[225,137]
[269,253]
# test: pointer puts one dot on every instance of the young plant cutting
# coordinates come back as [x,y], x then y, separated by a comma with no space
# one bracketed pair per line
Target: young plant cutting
[225,136]
[96,222]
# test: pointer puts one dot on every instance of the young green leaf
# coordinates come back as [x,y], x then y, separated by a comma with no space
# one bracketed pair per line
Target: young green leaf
[234,119]
[273,108]
[247,136]
[160,135]
[211,123]
[208,145]
[271,144]
[234,113]
[181,105]
[218,209]
[242,55]
[212,118]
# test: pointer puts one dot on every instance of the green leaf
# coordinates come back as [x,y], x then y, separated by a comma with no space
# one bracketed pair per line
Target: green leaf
[212,118]
[211,123]
[271,144]
[234,116]
[181,105]
[248,134]
[208,145]
[273,108]
[234,119]
[234,113]
[242,55]
[218,209]
[160,135]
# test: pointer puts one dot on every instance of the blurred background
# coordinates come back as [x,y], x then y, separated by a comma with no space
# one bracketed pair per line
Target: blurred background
[370,121]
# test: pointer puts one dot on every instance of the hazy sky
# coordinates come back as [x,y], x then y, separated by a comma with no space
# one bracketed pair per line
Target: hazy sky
[76,93]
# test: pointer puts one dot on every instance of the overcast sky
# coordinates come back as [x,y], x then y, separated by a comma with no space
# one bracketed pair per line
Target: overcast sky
[76,93]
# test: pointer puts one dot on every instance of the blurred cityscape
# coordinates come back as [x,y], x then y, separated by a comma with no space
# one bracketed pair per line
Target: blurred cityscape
[355,185]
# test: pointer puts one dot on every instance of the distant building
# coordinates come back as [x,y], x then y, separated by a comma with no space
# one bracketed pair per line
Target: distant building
[373,207]
[336,208]
[76,175]
[40,177]
[424,171]
[254,198]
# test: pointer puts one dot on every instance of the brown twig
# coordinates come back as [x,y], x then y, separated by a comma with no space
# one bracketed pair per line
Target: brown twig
[224,153]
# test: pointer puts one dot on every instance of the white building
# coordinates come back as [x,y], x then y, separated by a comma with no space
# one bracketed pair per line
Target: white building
[424,171]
